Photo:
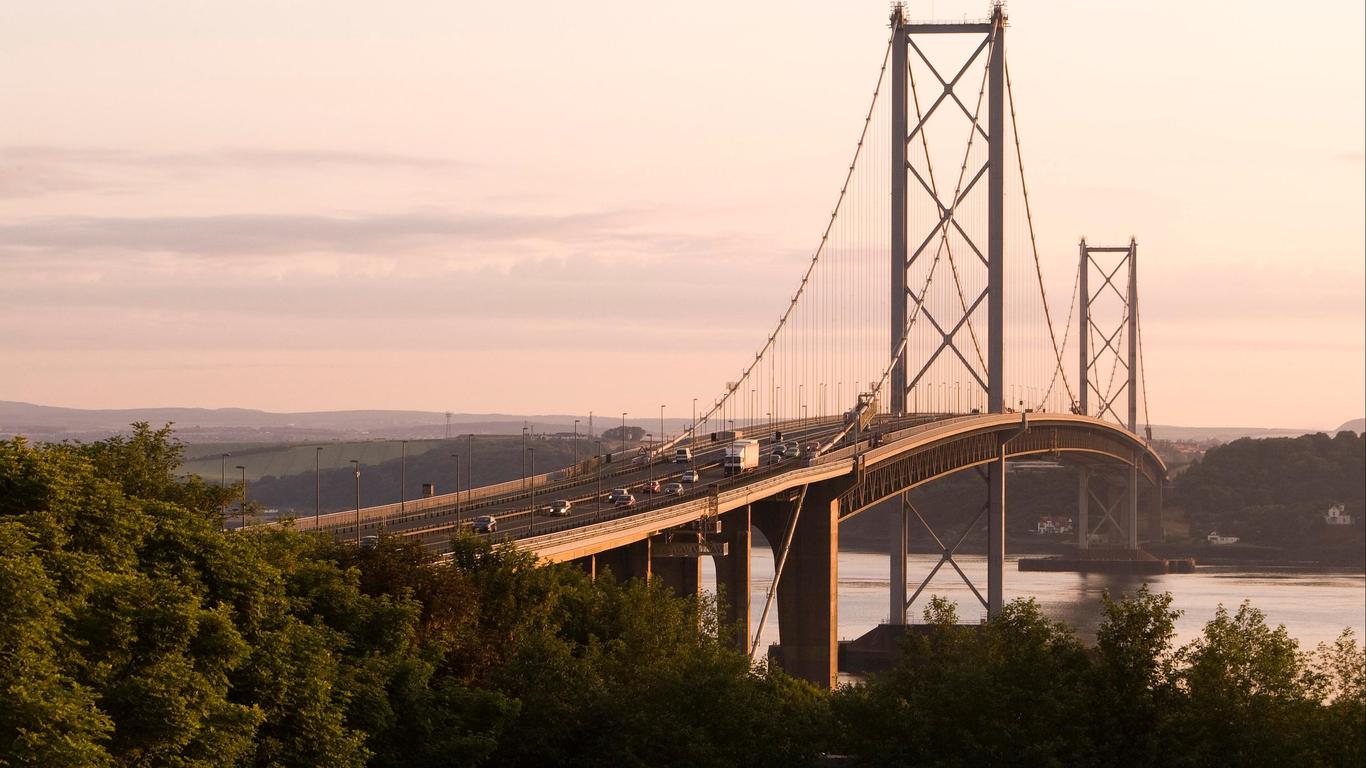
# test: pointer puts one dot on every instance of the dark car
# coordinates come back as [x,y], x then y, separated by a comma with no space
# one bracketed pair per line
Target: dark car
[484,524]
[625,502]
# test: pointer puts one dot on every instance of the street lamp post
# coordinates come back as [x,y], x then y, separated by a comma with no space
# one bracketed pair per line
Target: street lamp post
[661,425]
[469,468]
[576,443]
[597,500]
[402,480]
[649,465]
[531,454]
[244,495]
[623,430]
[223,483]
[356,466]
[317,485]
[524,447]
[456,456]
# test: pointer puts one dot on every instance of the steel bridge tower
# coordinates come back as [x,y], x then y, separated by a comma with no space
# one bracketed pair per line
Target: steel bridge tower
[905,35]
[1102,262]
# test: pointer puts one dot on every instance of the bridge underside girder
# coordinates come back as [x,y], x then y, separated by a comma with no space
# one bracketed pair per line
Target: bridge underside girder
[923,465]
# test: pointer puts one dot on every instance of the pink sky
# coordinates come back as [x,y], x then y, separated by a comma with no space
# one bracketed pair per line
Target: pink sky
[549,209]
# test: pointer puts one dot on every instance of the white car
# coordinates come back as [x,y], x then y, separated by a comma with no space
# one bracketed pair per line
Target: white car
[673,489]
[691,476]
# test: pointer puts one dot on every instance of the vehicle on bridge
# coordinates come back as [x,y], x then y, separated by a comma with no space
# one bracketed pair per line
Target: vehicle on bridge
[617,493]
[741,456]
[559,508]
[791,449]
[691,476]
[484,524]
[673,489]
[649,486]
[624,502]
[682,455]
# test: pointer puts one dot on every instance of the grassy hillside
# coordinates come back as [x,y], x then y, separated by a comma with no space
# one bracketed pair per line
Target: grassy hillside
[277,460]
[497,458]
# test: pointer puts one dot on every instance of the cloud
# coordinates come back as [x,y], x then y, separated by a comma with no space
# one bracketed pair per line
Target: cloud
[267,235]
[36,170]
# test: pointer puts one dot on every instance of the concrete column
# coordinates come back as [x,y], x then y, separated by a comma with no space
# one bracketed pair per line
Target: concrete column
[808,595]
[629,562]
[1155,514]
[996,533]
[680,574]
[1083,507]
[733,578]
[588,564]
[1131,513]
[896,603]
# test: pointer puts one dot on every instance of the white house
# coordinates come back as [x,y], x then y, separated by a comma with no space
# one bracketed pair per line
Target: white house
[1336,516]
[1215,539]
[1053,524]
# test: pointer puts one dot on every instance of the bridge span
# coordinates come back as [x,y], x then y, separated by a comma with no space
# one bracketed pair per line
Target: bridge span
[919,342]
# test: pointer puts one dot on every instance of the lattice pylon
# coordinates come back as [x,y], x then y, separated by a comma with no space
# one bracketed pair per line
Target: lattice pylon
[946,249]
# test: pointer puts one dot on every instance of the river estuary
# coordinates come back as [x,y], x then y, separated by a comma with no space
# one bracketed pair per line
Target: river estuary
[1314,605]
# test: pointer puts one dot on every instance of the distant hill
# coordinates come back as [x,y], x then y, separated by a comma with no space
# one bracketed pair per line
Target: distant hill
[1355,425]
[245,425]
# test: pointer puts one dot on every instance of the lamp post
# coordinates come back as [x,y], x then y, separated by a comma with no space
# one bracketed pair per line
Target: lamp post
[623,430]
[356,466]
[661,424]
[469,468]
[402,479]
[244,495]
[598,476]
[223,483]
[801,403]
[649,466]
[524,447]
[576,442]
[456,456]
[531,454]
[317,485]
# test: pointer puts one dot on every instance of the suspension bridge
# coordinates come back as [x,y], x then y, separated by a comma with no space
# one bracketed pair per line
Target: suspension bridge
[919,341]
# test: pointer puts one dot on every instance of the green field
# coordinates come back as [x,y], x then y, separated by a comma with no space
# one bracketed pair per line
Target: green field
[281,460]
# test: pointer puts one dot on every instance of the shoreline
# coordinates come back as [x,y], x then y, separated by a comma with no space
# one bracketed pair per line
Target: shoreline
[1203,556]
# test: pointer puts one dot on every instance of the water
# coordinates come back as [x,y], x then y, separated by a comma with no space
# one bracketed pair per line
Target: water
[1314,605]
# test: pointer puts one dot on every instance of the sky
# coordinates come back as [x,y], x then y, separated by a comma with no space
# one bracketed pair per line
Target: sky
[557,208]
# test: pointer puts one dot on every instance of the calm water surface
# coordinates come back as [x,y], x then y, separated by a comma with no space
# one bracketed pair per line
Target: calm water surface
[1314,605]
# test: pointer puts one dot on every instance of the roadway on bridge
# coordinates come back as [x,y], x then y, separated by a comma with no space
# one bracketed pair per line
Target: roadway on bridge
[513,516]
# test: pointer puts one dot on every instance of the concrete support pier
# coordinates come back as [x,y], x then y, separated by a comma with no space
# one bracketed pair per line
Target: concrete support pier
[629,562]
[683,575]
[733,578]
[808,594]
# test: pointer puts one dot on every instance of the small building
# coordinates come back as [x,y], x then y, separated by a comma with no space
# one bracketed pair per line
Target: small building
[1052,524]
[1217,540]
[1336,515]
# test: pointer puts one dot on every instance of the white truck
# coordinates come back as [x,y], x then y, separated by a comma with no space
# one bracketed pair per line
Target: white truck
[741,456]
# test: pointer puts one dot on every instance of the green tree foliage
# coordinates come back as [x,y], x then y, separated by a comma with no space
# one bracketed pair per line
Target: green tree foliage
[134,631]
[1020,690]
[1275,490]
